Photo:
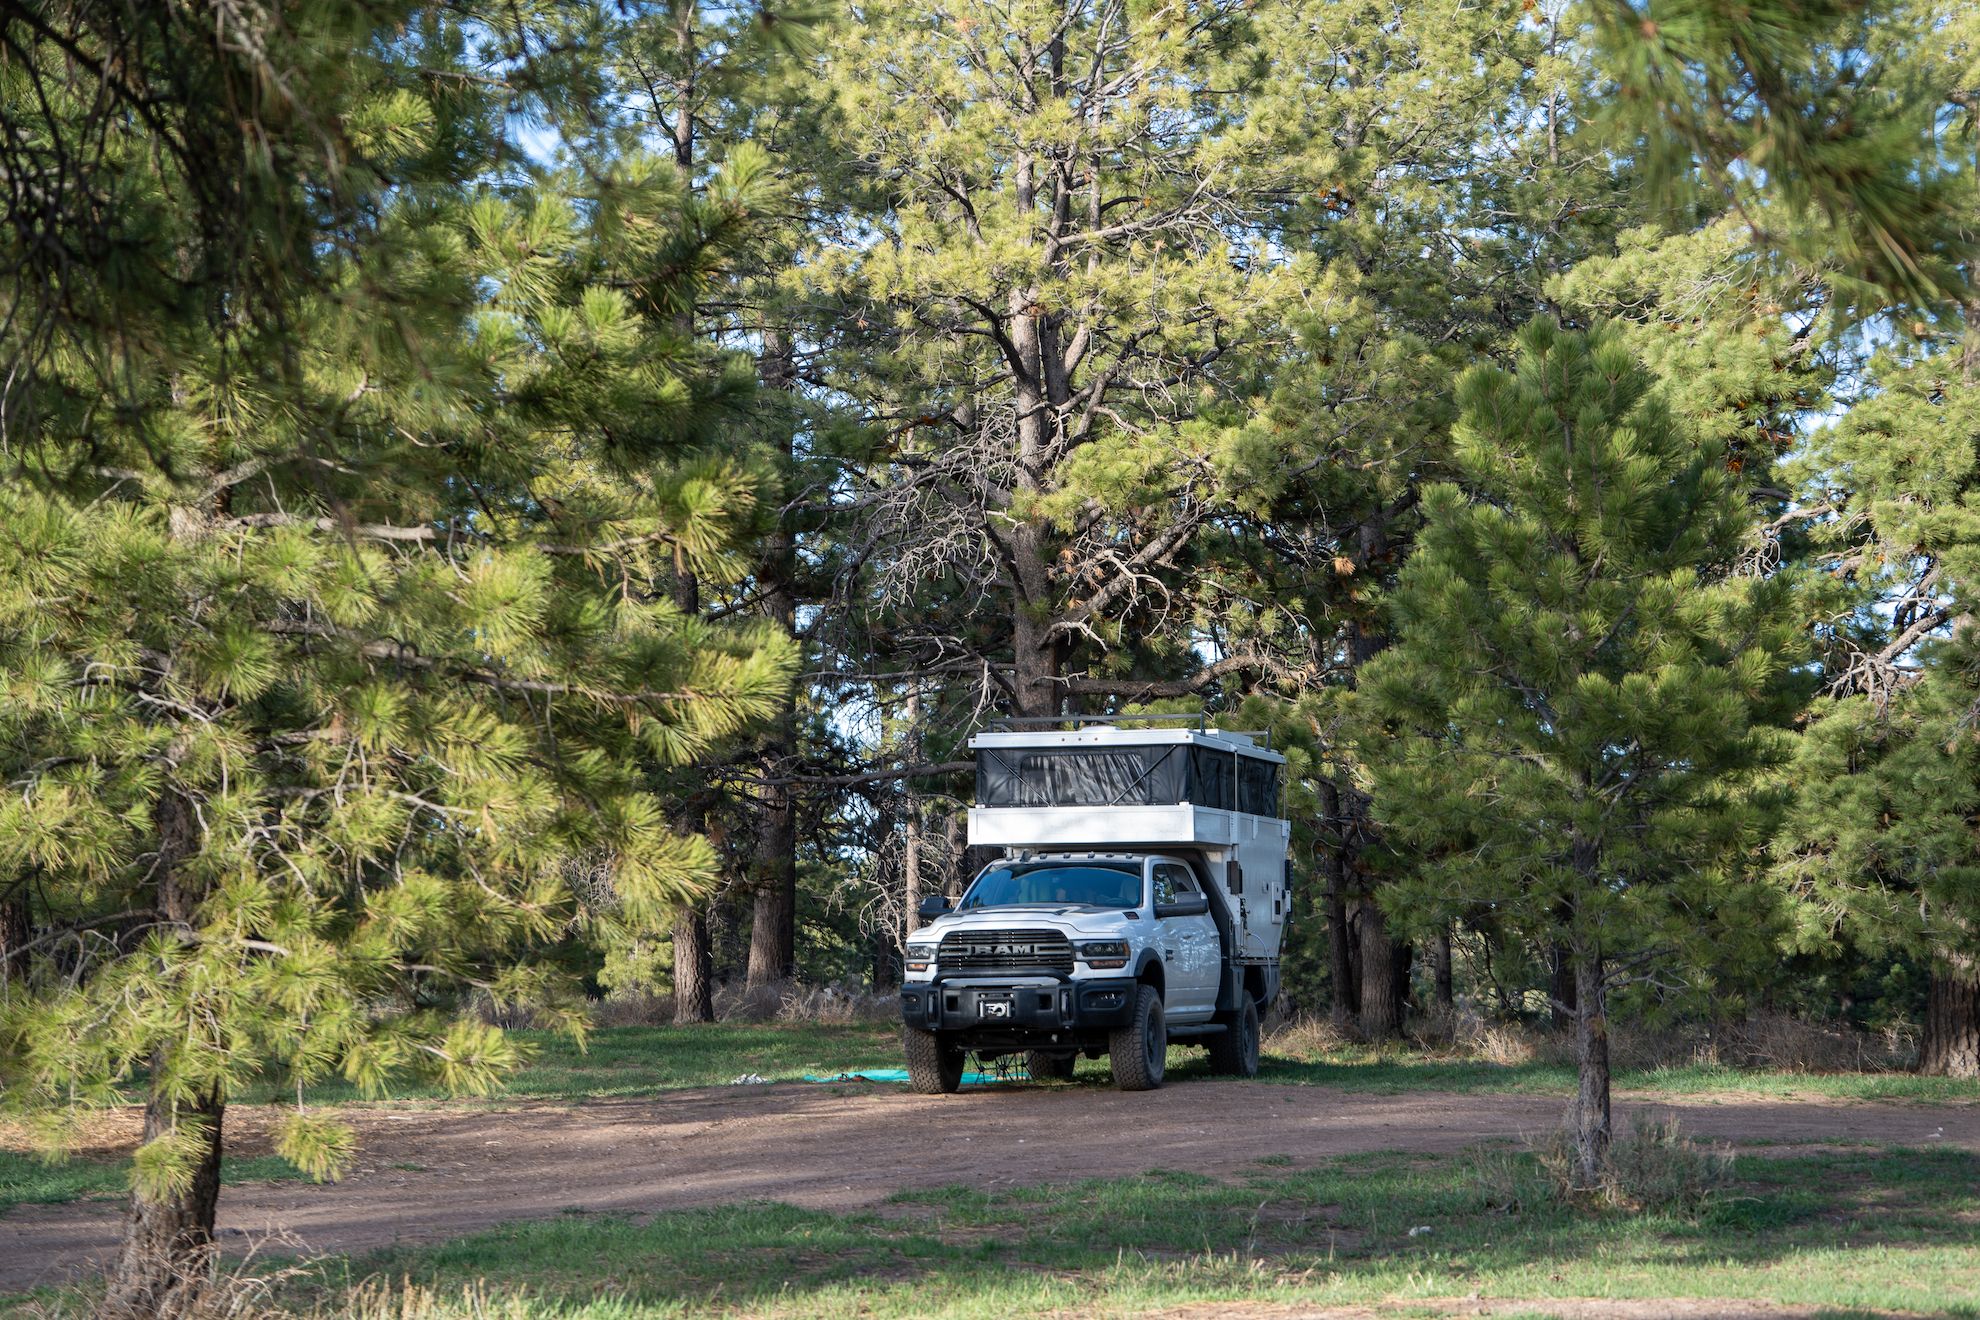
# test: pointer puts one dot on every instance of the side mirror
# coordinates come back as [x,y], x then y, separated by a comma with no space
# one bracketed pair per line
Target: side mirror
[932,906]
[1190,905]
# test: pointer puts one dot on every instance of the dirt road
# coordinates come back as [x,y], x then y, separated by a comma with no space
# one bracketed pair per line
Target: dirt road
[426,1175]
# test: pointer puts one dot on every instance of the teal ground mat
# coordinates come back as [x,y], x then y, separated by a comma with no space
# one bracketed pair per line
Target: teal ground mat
[900,1075]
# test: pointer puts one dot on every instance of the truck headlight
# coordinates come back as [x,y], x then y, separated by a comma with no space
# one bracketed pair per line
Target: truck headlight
[919,957]
[1104,953]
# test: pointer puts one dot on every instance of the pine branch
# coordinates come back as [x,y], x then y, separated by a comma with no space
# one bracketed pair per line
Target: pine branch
[403,653]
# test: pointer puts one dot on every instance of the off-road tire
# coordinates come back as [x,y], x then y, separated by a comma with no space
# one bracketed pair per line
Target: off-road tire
[1044,1067]
[1234,1050]
[934,1066]
[1138,1052]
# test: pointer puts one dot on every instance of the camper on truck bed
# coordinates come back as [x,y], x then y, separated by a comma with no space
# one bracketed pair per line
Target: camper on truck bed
[1140,901]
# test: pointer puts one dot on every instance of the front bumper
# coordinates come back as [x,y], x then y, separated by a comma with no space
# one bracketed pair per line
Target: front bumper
[1018,1006]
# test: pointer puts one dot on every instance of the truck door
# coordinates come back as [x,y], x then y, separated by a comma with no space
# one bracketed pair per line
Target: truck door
[1192,957]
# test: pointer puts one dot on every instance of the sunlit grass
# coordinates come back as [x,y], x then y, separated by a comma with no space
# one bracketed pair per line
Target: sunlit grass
[1869,1230]
[28,1180]
[639,1061]
[636,1061]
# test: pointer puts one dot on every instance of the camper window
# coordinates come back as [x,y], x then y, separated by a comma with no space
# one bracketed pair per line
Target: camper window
[1079,777]
[1258,786]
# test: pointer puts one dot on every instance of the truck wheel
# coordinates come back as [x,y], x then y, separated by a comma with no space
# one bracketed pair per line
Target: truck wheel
[934,1066]
[1139,1051]
[1234,1051]
[1045,1067]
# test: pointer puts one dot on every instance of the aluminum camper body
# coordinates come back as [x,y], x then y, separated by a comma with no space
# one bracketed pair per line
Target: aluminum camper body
[1139,898]
[1211,794]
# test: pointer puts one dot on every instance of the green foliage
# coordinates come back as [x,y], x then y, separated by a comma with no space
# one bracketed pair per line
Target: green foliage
[1878,849]
[349,677]
[1824,123]
[396,551]
[1583,691]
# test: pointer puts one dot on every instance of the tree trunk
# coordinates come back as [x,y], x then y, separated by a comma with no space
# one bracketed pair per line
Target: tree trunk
[1382,1000]
[168,1253]
[1590,1122]
[15,933]
[1399,976]
[773,932]
[1384,966]
[1041,394]
[914,862]
[694,972]
[1440,969]
[1344,988]
[886,960]
[1951,1047]
[773,923]
[1035,659]
[1561,987]
[914,851]
[955,856]
[1341,971]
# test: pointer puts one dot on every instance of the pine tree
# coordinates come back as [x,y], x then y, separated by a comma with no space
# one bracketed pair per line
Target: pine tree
[1822,125]
[718,80]
[1582,690]
[1323,473]
[1059,253]
[1879,845]
[344,675]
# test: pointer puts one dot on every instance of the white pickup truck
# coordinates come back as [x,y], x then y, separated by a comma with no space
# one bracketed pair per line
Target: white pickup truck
[1140,901]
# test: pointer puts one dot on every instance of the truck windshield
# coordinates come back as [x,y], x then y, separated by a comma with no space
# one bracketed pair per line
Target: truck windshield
[1087,884]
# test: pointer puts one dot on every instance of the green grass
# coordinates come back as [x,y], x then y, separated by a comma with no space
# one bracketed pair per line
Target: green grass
[639,1061]
[636,1061]
[1872,1229]
[1395,1071]
[26,1180]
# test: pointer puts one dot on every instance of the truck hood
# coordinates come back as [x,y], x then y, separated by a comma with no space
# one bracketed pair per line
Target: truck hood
[1071,918]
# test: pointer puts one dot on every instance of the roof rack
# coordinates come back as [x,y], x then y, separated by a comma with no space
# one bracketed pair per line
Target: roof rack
[1014,722]
[1043,721]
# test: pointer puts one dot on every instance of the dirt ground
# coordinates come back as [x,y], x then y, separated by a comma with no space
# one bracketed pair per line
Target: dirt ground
[427,1175]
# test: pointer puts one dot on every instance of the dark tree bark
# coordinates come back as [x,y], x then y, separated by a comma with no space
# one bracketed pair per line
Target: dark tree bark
[168,1253]
[1342,972]
[1491,956]
[16,930]
[1400,971]
[1383,993]
[1561,987]
[694,971]
[773,932]
[1440,969]
[886,960]
[1590,1124]
[1384,961]
[1342,976]
[1951,1047]
[773,924]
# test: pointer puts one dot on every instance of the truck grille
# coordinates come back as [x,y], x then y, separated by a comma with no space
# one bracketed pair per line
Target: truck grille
[1005,950]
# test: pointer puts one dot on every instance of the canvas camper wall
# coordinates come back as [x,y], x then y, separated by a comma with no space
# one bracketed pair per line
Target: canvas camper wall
[1148,775]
